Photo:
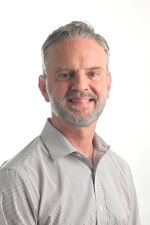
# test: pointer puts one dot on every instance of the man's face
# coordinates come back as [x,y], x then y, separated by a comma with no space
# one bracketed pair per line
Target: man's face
[78,83]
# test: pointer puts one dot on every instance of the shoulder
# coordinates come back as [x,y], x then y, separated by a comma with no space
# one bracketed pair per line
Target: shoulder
[118,168]
[18,186]
[109,157]
[110,161]
[117,160]
[28,157]
[25,166]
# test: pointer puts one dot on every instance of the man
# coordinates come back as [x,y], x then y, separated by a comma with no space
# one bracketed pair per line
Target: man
[68,175]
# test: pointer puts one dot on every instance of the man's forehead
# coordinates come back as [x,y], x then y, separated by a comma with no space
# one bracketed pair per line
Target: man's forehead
[81,55]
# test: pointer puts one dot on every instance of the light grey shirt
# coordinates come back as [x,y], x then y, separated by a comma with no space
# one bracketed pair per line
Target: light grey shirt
[50,183]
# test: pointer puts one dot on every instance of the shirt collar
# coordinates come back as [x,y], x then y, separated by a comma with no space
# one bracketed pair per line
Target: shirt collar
[100,144]
[58,146]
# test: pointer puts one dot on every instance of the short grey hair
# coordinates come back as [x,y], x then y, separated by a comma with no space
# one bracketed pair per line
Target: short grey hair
[70,31]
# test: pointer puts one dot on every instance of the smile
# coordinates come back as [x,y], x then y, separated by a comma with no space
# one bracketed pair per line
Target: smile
[84,100]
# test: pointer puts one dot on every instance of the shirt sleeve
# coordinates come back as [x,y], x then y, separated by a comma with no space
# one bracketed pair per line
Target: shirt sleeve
[16,200]
[134,216]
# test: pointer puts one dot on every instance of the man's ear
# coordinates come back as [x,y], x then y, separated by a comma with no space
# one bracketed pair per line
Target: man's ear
[108,83]
[42,87]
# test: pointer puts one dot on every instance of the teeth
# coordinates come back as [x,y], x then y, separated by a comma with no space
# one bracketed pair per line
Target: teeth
[80,99]
[76,100]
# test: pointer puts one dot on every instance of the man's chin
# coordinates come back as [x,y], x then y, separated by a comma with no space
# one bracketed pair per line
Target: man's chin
[76,117]
[80,120]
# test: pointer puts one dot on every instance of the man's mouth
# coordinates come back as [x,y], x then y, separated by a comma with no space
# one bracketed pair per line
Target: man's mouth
[80,100]
[80,104]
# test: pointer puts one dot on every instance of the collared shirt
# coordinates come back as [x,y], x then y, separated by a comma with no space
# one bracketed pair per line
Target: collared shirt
[50,183]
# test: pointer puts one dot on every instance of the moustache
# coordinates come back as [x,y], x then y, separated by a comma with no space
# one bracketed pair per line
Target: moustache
[80,94]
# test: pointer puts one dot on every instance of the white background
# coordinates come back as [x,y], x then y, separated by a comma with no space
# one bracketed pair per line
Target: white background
[125,123]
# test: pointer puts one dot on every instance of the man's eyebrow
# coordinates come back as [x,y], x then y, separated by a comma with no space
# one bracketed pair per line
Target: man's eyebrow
[94,68]
[71,69]
[62,69]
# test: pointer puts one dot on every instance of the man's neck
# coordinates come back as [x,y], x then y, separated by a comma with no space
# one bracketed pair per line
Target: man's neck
[80,137]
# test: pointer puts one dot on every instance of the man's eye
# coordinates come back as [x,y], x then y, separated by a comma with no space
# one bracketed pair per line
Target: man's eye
[92,74]
[64,76]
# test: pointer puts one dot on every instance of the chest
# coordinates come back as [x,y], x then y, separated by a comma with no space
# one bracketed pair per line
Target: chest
[73,194]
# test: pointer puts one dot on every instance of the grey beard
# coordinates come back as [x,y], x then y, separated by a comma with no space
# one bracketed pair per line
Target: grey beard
[61,112]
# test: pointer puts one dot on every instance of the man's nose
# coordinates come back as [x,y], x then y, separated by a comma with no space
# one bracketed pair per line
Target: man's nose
[80,82]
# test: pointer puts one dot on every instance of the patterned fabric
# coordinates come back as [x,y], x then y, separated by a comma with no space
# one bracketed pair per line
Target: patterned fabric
[50,183]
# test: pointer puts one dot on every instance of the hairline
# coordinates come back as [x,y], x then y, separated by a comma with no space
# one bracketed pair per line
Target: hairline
[73,30]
